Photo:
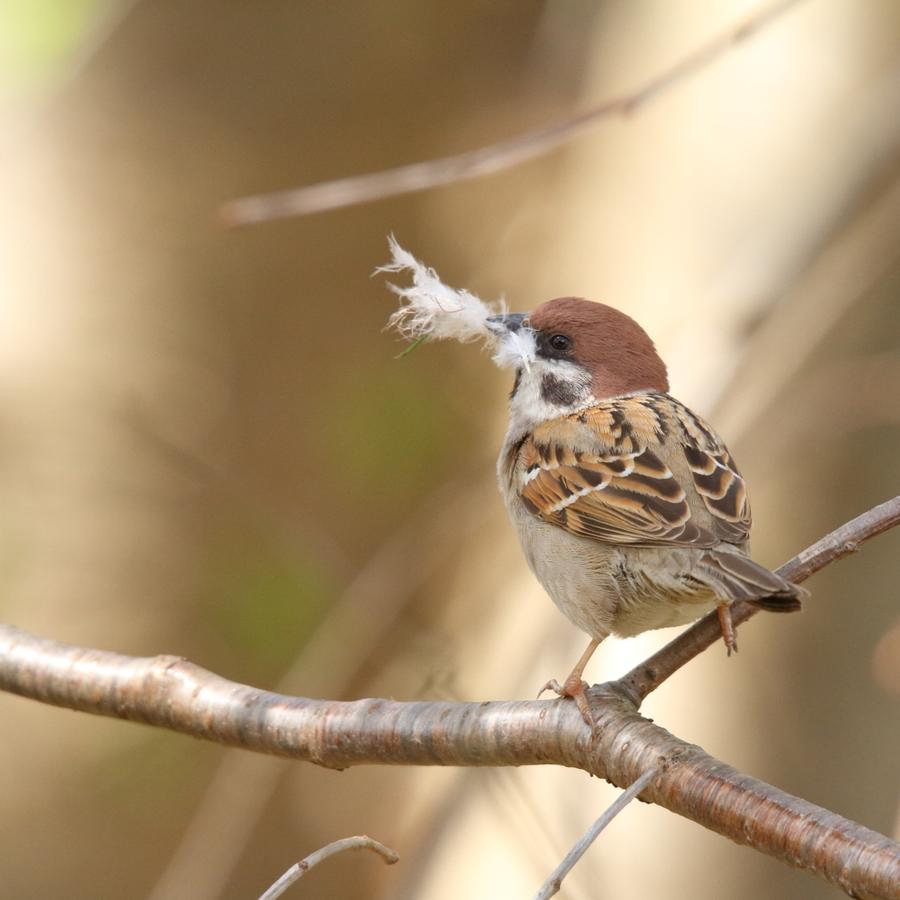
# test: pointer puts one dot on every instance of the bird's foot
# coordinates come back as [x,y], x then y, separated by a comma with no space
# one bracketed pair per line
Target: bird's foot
[727,625]
[575,688]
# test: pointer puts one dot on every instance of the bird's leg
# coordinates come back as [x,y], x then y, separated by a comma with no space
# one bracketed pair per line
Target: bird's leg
[575,687]
[723,610]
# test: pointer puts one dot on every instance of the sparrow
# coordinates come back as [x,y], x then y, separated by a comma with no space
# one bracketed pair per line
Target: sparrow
[630,510]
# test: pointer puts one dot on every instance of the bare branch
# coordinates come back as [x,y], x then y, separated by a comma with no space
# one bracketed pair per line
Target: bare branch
[652,672]
[552,885]
[495,157]
[172,693]
[298,870]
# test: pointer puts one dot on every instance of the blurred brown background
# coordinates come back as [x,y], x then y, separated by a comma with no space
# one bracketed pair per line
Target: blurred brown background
[209,449]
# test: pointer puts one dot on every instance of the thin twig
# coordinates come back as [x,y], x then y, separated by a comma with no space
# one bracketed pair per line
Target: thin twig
[652,672]
[495,157]
[552,885]
[298,870]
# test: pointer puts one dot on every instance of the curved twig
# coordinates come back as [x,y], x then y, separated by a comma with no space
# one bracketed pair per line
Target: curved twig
[298,870]
[494,158]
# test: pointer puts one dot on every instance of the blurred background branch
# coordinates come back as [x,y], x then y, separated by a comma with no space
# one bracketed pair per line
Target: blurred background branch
[495,158]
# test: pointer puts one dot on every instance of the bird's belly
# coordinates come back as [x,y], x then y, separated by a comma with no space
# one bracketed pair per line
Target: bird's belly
[577,576]
[609,589]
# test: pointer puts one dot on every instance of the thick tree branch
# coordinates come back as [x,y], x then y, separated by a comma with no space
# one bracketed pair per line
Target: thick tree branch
[494,158]
[173,693]
[652,672]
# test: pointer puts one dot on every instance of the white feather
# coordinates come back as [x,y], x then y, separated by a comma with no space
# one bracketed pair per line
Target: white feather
[514,349]
[431,310]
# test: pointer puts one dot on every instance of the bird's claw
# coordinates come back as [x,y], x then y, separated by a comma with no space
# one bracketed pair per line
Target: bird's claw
[552,685]
[576,689]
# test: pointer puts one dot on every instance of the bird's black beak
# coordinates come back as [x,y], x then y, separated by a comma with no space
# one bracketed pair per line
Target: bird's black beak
[509,322]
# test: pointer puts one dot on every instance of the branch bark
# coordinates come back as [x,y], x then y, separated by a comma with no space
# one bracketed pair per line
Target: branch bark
[173,693]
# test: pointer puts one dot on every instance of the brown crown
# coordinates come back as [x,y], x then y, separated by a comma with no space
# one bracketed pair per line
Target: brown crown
[610,345]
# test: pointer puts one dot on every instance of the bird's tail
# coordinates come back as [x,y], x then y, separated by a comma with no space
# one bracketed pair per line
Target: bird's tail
[743,579]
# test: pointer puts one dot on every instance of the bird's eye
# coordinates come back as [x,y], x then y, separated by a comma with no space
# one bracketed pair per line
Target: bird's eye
[560,342]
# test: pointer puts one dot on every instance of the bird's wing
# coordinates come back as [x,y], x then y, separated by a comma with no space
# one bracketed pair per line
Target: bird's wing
[639,470]
[715,476]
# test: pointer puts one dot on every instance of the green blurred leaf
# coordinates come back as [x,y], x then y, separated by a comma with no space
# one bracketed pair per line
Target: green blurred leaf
[265,608]
[384,437]
[38,37]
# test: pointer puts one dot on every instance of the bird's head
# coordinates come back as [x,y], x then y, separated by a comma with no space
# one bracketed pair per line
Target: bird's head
[570,353]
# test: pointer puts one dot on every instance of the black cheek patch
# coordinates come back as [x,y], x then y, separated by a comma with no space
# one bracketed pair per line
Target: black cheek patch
[558,392]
